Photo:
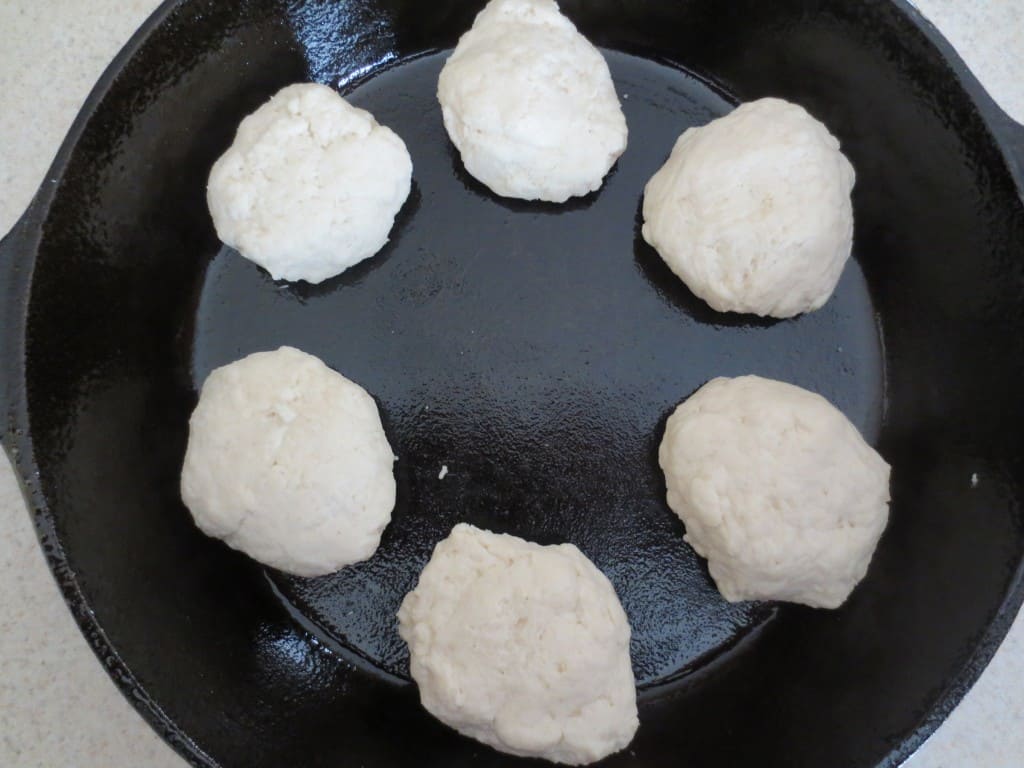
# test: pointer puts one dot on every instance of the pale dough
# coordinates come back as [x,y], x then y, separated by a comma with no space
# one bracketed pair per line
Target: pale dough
[530,105]
[752,211]
[777,489]
[521,646]
[288,462]
[310,186]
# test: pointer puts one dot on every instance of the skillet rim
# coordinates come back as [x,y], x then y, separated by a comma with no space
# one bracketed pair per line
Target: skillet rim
[19,249]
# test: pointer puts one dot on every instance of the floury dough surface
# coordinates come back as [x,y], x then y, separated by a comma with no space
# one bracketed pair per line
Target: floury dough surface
[530,105]
[777,489]
[287,461]
[752,211]
[310,186]
[521,646]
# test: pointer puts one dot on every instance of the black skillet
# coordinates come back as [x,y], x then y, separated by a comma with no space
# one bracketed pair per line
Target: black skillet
[535,350]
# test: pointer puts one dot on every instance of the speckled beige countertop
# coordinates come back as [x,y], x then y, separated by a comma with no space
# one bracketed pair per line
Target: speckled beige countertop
[57,706]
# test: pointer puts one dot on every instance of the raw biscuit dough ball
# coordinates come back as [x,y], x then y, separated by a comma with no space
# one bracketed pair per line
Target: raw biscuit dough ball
[752,211]
[530,104]
[777,489]
[521,646]
[310,186]
[287,461]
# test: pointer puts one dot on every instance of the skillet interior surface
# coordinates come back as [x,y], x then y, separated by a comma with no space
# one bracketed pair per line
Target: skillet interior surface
[536,351]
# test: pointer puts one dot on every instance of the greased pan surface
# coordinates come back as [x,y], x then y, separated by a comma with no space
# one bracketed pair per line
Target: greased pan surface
[535,350]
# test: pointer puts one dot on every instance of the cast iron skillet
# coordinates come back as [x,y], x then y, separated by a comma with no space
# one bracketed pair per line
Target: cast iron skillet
[535,350]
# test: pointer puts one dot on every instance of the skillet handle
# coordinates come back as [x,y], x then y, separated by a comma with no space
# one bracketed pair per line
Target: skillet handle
[15,269]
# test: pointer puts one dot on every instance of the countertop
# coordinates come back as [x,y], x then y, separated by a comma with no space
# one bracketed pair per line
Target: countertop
[57,705]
